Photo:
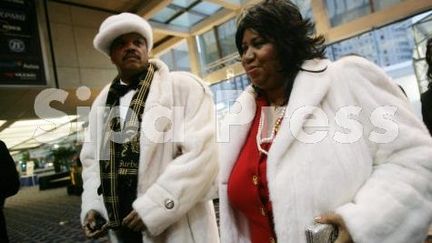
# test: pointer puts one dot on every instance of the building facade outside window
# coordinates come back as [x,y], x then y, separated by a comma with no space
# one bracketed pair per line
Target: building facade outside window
[177,58]
[217,47]
[391,47]
[385,46]
[226,36]
[394,48]
[305,8]
[226,92]
[422,30]
[343,11]
[383,4]
[208,49]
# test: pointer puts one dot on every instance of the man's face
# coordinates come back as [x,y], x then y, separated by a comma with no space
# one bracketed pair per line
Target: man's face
[129,53]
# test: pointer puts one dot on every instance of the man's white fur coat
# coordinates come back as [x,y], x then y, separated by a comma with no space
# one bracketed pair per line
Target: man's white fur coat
[179,166]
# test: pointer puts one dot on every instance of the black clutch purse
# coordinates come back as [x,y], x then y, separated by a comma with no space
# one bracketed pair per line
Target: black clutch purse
[321,233]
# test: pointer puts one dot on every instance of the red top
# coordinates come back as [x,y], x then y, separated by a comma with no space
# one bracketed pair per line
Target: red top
[247,186]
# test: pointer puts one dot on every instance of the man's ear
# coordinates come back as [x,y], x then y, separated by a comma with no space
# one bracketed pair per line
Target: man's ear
[111,59]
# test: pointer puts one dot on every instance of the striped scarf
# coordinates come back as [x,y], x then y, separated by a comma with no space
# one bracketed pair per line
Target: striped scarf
[120,152]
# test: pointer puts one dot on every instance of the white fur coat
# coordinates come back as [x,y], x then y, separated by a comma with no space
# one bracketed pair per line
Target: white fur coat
[372,166]
[175,167]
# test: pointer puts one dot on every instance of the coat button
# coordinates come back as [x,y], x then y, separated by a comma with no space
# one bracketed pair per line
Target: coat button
[169,204]
[255,180]
[263,212]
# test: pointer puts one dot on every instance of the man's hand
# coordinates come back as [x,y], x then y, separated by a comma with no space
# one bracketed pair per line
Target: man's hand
[336,220]
[134,222]
[91,228]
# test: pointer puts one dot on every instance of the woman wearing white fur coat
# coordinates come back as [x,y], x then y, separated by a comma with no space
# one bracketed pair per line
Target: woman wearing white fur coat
[315,140]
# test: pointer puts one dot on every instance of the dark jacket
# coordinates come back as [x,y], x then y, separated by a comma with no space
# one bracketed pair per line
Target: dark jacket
[426,100]
[9,179]
[9,184]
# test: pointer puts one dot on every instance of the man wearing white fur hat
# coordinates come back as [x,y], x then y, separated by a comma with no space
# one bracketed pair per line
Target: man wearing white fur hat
[144,180]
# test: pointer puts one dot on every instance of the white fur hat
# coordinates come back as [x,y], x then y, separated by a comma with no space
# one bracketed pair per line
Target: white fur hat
[120,24]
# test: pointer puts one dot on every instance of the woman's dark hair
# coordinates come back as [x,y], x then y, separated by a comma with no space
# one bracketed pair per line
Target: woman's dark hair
[280,22]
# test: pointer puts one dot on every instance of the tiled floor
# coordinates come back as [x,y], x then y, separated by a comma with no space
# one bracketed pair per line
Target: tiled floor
[44,216]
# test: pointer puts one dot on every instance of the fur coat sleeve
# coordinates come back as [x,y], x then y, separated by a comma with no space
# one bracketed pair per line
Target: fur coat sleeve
[189,177]
[90,160]
[395,203]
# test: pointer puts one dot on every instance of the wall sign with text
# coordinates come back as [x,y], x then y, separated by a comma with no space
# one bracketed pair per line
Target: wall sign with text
[21,60]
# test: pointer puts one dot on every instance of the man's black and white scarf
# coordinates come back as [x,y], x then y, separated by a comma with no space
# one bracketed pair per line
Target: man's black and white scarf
[121,148]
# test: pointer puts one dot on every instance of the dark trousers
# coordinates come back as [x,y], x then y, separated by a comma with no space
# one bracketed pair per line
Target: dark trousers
[3,231]
[126,235]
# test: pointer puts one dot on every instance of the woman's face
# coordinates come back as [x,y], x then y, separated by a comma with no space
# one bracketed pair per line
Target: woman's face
[261,62]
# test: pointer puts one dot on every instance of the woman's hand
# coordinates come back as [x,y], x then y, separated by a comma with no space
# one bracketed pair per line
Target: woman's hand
[335,219]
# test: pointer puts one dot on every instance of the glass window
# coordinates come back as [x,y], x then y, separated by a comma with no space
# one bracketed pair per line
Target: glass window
[383,4]
[177,59]
[183,3]
[167,58]
[226,34]
[208,47]
[329,53]
[305,8]
[226,92]
[206,8]
[181,57]
[385,46]
[393,47]
[362,45]
[342,11]
[164,15]
[422,29]
[217,47]
[245,80]
[397,45]
[187,19]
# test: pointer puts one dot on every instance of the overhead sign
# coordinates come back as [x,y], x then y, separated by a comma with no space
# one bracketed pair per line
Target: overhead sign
[21,60]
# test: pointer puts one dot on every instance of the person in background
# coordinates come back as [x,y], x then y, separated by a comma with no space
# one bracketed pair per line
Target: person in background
[316,141]
[426,101]
[150,156]
[426,97]
[9,185]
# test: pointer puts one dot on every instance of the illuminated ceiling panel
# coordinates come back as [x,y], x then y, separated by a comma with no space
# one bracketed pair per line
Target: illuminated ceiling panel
[183,3]
[187,19]
[32,133]
[206,8]
[165,14]
[186,13]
